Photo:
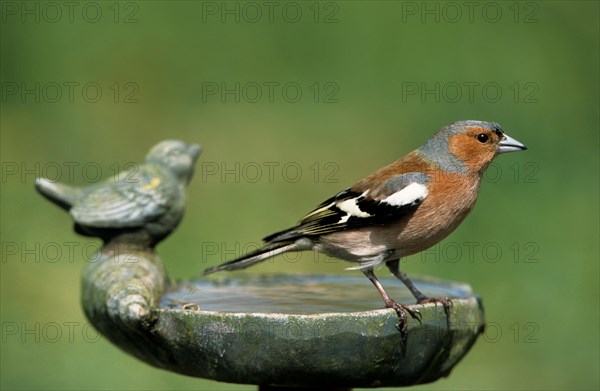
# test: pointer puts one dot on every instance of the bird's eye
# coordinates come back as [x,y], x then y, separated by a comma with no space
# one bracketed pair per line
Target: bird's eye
[483,138]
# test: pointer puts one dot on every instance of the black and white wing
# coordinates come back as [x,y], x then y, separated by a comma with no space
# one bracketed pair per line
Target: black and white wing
[358,207]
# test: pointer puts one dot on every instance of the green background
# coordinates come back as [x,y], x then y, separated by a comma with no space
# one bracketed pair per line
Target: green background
[534,232]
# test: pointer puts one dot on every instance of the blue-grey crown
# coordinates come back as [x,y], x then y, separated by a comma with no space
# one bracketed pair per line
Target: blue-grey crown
[436,149]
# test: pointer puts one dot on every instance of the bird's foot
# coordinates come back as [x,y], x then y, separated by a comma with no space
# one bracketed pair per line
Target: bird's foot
[401,311]
[402,325]
[446,302]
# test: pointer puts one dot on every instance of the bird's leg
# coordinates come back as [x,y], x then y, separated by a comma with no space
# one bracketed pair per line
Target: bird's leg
[394,267]
[400,309]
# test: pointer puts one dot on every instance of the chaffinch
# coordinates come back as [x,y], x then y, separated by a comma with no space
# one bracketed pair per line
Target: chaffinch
[399,210]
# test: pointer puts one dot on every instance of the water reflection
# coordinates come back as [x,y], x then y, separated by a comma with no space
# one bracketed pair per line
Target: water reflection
[297,294]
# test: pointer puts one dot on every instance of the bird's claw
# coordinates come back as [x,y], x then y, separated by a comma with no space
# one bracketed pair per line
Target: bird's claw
[401,311]
[402,325]
[416,314]
[446,302]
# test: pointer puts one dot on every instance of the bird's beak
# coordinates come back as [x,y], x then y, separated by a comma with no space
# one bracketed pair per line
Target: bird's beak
[509,144]
[194,150]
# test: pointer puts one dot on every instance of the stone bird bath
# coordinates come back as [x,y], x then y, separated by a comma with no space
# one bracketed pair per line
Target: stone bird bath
[321,332]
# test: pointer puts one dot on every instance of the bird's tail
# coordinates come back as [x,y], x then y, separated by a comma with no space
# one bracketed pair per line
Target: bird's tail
[267,251]
[60,194]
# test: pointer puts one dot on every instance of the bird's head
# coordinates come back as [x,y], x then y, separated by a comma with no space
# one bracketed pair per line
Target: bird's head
[468,146]
[177,156]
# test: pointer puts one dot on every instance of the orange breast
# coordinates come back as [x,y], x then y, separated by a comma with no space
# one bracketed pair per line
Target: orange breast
[451,197]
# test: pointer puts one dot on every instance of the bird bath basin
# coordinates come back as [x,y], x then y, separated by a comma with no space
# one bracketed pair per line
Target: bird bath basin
[326,331]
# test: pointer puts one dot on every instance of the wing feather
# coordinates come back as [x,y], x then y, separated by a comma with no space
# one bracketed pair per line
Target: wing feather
[398,197]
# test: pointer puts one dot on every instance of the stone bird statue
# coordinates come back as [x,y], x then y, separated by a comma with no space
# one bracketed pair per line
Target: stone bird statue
[144,206]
